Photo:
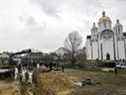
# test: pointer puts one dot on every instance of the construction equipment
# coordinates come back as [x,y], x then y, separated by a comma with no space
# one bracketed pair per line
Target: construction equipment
[7,70]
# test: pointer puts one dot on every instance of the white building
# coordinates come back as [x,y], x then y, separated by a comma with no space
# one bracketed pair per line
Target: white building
[105,42]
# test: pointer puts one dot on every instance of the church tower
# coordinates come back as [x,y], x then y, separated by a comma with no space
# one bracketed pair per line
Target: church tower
[118,28]
[94,32]
[94,40]
[94,29]
[118,31]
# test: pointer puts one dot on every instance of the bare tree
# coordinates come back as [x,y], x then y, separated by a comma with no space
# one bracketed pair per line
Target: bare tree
[72,45]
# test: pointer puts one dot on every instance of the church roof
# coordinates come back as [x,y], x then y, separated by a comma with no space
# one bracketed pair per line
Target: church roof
[107,30]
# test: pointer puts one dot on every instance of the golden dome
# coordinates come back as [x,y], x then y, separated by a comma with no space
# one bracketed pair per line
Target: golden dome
[104,18]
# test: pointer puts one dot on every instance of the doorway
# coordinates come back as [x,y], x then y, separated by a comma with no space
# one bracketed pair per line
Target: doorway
[107,56]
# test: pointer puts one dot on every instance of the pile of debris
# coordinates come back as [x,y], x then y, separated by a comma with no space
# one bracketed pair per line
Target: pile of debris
[85,82]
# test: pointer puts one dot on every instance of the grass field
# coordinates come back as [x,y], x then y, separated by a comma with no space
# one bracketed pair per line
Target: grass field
[107,82]
[62,83]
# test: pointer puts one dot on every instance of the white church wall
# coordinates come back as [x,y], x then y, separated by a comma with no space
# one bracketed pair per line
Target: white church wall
[121,49]
[99,50]
[108,25]
[88,49]
[101,27]
[108,49]
[95,49]
[125,48]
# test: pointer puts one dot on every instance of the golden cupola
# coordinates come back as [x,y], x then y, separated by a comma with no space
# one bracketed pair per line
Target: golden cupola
[104,18]
[104,22]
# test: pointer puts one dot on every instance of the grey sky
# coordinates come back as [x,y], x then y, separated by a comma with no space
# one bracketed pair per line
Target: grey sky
[44,24]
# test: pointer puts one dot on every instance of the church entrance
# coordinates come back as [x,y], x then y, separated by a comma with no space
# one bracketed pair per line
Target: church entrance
[107,56]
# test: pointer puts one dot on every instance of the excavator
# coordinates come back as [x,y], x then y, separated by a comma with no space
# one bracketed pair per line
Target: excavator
[7,71]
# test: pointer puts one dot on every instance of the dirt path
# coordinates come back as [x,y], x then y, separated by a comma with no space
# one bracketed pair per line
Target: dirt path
[7,88]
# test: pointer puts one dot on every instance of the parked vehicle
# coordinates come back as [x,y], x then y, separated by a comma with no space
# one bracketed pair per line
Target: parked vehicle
[121,66]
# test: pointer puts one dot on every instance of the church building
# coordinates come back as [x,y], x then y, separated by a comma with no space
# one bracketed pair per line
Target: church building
[106,42]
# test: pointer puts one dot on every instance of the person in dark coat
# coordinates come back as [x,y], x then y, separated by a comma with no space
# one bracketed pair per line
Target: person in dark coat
[26,76]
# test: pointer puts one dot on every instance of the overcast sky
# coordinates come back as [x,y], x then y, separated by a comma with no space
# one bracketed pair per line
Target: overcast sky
[44,24]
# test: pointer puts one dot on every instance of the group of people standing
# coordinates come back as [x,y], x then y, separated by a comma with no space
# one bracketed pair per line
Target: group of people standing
[23,74]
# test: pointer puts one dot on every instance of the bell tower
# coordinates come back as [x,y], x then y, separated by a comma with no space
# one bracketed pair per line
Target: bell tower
[94,32]
[118,28]
[94,29]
